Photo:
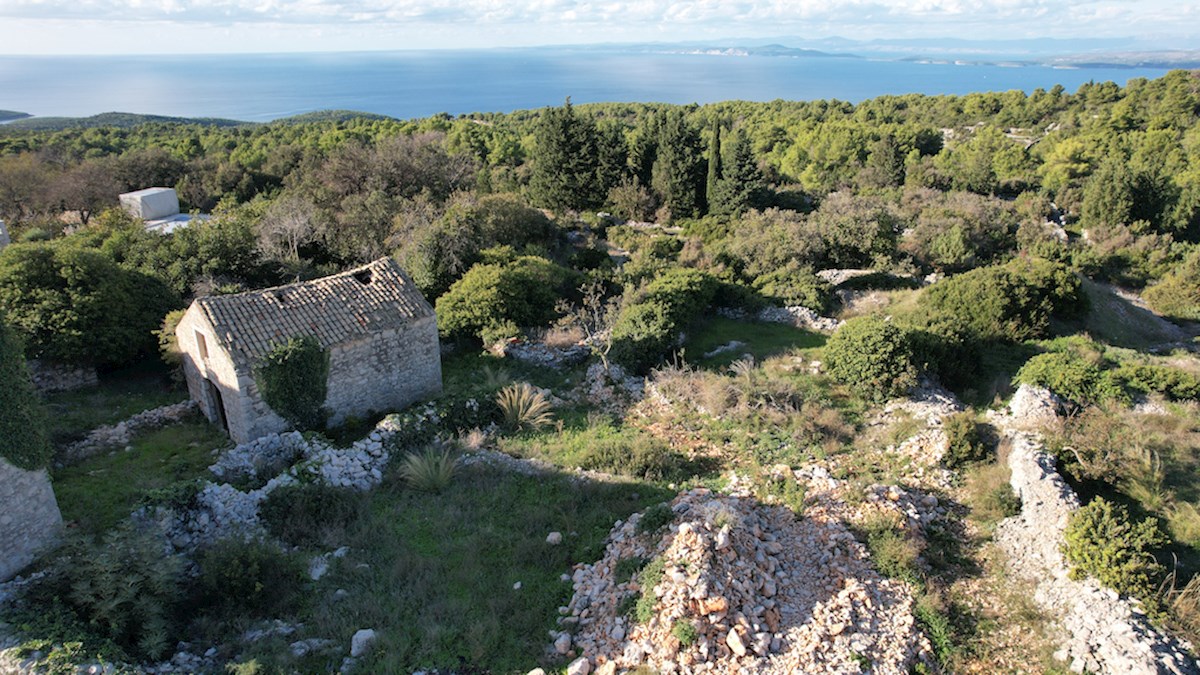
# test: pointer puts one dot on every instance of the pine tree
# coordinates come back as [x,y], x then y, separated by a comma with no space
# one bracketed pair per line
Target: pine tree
[678,175]
[741,185]
[564,161]
[714,164]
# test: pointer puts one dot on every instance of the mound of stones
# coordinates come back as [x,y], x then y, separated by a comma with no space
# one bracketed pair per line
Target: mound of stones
[745,587]
[800,317]
[109,437]
[1104,633]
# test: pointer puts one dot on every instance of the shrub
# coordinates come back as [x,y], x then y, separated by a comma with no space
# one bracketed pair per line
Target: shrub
[430,470]
[685,631]
[522,406]
[655,518]
[649,577]
[627,568]
[310,514]
[491,300]
[873,357]
[650,321]
[293,378]
[641,457]
[1012,302]
[1101,541]
[794,285]
[1072,375]
[965,440]
[23,440]
[1171,382]
[1178,294]
[247,578]
[893,553]
[129,588]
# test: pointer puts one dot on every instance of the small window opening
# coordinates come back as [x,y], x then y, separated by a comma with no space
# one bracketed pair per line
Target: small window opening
[203,344]
[363,277]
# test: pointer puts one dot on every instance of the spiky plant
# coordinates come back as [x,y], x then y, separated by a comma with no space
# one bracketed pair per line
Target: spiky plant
[524,407]
[430,470]
[494,378]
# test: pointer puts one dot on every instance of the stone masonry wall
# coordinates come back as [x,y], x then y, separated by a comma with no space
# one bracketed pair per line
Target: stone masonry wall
[1105,633]
[51,377]
[29,517]
[384,372]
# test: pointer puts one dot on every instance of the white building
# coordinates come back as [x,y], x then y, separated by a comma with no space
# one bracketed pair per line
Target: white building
[158,207]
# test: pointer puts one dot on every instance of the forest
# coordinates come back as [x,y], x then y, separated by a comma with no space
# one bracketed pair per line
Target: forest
[996,238]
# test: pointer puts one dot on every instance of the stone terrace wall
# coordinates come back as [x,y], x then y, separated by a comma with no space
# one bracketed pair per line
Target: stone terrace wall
[29,517]
[52,377]
[1105,632]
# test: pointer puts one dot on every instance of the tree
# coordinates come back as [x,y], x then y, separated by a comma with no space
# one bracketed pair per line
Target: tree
[23,439]
[87,188]
[288,224]
[594,316]
[75,305]
[678,175]
[714,164]
[741,185]
[565,160]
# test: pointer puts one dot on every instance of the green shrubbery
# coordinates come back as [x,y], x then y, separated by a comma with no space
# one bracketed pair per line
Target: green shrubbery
[495,300]
[1178,294]
[247,578]
[652,318]
[1101,541]
[873,357]
[966,443]
[294,378]
[1171,382]
[1072,375]
[794,285]
[311,515]
[23,438]
[1013,302]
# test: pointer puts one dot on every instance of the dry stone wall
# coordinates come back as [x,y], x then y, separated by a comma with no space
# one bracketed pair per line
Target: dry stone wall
[29,517]
[1105,633]
[51,377]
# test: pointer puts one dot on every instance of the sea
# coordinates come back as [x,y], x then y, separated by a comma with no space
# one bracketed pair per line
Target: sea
[409,84]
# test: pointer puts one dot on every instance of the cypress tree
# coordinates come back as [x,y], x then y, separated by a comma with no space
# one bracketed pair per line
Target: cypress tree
[678,168]
[565,161]
[714,165]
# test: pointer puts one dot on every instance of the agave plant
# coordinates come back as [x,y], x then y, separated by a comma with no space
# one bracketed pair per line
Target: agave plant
[430,470]
[524,407]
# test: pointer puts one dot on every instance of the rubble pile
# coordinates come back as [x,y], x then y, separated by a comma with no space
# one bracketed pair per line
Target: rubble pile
[741,587]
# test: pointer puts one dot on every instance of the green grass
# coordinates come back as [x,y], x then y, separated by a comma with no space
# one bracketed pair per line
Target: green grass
[97,493]
[119,395]
[762,340]
[439,571]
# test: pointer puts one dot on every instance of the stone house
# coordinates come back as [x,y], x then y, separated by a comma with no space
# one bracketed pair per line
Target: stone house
[29,518]
[380,333]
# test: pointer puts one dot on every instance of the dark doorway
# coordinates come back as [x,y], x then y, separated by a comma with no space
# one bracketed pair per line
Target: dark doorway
[217,402]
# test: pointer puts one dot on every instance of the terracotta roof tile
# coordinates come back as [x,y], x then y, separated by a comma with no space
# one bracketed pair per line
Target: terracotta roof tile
[334,309]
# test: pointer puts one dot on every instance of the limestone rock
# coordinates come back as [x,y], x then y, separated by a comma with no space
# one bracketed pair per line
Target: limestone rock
[362,642]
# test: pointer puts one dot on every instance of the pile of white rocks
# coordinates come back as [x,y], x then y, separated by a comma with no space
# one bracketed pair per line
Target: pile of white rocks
[541,354]
[1104,633]
[609,386]
[262,457]
[762,591]
[119,435]
[800,317]
[222,510]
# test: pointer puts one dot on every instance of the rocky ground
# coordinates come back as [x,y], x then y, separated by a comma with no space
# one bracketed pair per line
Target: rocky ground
[761,590]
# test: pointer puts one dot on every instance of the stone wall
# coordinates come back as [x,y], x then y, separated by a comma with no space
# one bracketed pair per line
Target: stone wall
[51,377]
[384,372]
[29,517]
[1105,633]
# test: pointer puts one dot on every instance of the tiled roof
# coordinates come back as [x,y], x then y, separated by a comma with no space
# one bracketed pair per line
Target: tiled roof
[334,309]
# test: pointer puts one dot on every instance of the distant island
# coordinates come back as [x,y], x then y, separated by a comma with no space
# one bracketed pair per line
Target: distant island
[9,115]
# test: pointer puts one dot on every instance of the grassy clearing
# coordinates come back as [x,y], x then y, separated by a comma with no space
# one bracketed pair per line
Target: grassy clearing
[97,493]
[762,340]
[119,395]
[434,574]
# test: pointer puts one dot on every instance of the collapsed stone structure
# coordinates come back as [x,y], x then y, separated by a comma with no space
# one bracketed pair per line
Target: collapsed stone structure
[29,519]
[381,335]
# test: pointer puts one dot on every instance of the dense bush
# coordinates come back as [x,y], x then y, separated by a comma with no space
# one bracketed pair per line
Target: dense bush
[873,357]
[495,300]
[129,588]
[966,443]
[652,318]
[1178,294]
[74,305]
[311,515]
[794,285]
[294,379]
[1011,302]
[1072,375]
[1101,541]
[23,440]
[1171,382]
[247,578]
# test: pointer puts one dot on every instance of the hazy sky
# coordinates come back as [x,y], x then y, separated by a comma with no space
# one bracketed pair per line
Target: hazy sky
[165,26]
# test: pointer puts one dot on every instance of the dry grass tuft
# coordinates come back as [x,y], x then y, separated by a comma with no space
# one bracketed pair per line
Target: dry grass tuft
[523,407]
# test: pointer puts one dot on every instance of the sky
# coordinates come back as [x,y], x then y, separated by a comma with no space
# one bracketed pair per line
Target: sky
[243,26]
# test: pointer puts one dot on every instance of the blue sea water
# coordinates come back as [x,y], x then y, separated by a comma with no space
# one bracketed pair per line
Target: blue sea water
[409,84]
